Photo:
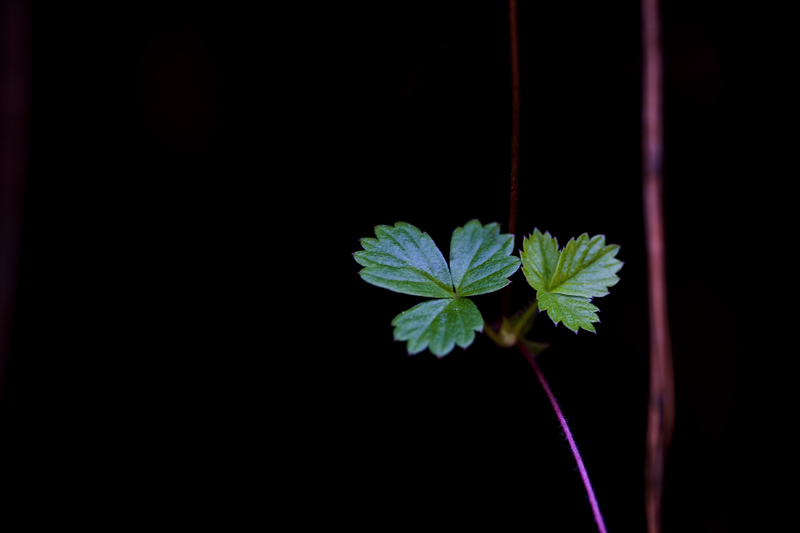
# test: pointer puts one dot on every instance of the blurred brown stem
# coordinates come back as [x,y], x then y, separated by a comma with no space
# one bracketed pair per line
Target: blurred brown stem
[661,410]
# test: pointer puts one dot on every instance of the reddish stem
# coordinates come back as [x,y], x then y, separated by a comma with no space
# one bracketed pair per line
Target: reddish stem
[661,404]
[601,526]
[512,208]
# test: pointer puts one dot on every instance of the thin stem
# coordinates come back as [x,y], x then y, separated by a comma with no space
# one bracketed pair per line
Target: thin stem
[661,403]
[601,526]
[512,208]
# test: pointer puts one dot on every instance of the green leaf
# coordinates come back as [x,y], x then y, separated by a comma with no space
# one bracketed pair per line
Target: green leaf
[586,267]
[539,259]
[573,311]
[438,325]
[403,259]
[567,281]
[480,260]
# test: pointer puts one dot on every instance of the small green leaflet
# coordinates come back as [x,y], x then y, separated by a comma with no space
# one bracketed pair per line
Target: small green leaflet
[438,325]
[480,258]
[403,259]
[566,281]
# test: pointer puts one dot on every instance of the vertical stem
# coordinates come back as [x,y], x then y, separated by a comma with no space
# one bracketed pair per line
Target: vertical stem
[512,208]
[601,526]
[660,413]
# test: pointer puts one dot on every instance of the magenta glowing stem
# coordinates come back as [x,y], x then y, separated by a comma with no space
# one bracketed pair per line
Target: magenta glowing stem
[584,475]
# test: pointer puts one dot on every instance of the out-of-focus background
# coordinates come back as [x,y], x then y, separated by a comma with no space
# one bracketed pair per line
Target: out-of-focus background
[184,328]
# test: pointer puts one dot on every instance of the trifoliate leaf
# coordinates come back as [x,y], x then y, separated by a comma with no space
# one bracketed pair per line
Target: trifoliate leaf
[480,258]
[566,281]
[403,259]
[438,325]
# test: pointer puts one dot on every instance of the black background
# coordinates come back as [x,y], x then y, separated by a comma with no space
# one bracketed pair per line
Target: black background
[191,333]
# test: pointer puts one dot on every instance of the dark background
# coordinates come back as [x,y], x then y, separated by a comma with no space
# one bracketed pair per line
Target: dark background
[190,330]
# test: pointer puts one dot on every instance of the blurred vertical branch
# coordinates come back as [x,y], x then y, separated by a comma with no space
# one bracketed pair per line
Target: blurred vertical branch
[512,208]
[661,410]
[15,101]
